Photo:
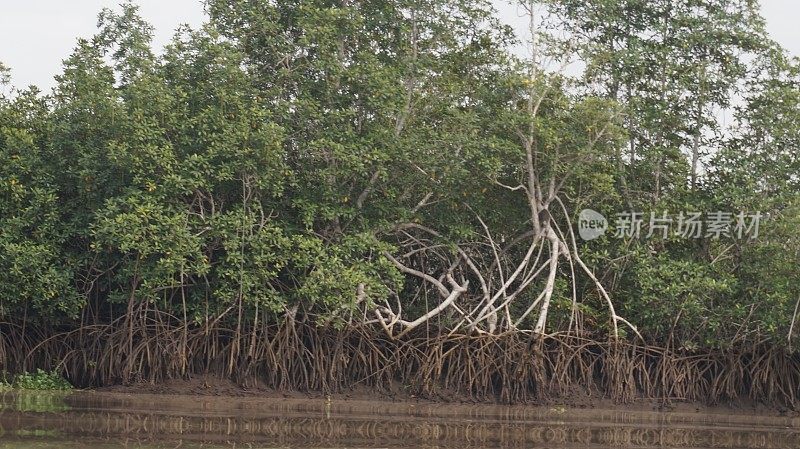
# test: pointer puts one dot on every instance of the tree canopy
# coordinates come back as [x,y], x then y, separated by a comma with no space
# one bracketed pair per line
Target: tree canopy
[396,164]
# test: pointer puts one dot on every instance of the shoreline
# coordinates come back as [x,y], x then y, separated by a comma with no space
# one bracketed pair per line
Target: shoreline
[217,388]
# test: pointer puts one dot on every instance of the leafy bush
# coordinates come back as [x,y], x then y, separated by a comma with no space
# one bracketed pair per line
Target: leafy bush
[41,380]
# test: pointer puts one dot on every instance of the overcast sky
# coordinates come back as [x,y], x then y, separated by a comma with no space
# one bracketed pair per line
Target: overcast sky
[36,35]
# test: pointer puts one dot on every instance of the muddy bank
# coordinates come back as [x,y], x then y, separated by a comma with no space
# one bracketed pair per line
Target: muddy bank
[214,387]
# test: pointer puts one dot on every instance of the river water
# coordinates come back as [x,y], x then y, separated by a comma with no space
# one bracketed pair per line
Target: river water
[95,420]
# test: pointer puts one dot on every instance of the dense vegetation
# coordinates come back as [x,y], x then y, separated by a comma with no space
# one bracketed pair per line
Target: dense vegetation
[395,166]
[40,381]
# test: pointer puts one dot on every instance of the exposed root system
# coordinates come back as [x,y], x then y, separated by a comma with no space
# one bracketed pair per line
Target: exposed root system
[511,368]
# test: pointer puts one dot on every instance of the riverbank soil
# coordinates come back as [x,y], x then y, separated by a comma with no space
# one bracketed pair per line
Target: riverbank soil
[209,386]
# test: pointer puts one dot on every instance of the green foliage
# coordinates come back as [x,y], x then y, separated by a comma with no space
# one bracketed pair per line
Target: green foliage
[38,381]
[266,162]
[684,299]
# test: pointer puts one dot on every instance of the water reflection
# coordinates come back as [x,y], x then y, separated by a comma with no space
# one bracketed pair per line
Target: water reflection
[35,401]
[99,420]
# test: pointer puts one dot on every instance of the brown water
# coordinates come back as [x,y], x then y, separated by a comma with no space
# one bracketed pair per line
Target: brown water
[111,420]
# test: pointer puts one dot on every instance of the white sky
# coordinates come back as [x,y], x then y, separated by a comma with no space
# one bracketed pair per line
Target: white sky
[36,35]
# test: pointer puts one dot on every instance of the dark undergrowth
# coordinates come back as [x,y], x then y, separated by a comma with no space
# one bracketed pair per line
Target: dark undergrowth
[510,368]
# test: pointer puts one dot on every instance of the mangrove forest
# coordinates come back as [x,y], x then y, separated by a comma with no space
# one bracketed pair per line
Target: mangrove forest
[412,197]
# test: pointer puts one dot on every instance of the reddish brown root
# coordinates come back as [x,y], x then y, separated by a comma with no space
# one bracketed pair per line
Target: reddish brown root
[510,368]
